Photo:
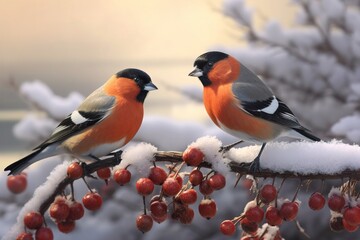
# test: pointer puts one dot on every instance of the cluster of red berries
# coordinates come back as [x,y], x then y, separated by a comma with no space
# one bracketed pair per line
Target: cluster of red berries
[35,221]
[275,213]
[172,185]
[176,196]
[345,212]
[63,211]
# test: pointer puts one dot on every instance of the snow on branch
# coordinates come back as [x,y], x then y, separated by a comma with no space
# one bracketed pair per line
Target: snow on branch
[303,160]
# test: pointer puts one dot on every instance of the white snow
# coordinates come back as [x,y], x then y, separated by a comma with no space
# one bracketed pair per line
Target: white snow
[40,194]
[41,95]
[348,126]
[210,146]
[270,231]
[139,156]
[303,157]
[334,191]
[34,127]
[239,10]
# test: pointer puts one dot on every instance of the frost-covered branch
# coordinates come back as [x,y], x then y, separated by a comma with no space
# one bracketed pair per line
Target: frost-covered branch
[311,65]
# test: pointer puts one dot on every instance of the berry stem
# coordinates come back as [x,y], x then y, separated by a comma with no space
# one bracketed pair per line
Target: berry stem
[297,190]
[72,191]
[239,176]
[87,185]
[144,203]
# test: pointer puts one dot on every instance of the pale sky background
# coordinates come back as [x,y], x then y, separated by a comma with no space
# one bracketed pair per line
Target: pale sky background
[76,45]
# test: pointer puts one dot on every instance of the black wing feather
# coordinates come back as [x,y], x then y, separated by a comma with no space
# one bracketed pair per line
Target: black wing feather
[283,115]
[68,128]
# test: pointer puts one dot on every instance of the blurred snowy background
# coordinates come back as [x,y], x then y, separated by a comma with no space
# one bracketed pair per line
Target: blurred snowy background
[308,51]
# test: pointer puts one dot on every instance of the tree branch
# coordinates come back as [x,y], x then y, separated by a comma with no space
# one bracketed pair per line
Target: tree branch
[326,36]
[176,157]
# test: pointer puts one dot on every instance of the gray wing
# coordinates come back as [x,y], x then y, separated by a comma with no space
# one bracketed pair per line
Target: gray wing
[93,109]
[257,99]
[250,88]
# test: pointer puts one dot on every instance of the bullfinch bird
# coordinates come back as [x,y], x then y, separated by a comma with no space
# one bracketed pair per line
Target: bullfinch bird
[241,104]
[105,121]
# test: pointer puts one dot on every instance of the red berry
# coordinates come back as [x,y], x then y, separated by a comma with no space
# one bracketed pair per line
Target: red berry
[336,224]
[76,211]
[155,198]
[289,211]
[104,173]
[188,196]
[144,186]
[247,183]
[179,209]
[59,211]
[227,228]
[187,216]
[159,219]
[348,227]
[207,208]
[44,233]
[336,202]
[272,216]
[17,183]
[248,226]
[158,175]
[144,223]
[193,156]
[75,171]
[254,214]
[217,181]
[24,236]
[60,199]
[178,178]
[352,216]
[268,193]
[205,188]
[171,187]
[66,227]
[158,209]
[92,201]
[122,176]
[195,177]
[317,201]
[33,220]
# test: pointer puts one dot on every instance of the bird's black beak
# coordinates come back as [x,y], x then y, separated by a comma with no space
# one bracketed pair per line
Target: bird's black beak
[150,87]
[197,72]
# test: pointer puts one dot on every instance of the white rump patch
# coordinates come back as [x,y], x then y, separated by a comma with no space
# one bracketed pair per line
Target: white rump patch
[77,118]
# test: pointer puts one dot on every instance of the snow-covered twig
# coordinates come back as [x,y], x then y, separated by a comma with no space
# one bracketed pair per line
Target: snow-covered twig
[280,160]
[302,160]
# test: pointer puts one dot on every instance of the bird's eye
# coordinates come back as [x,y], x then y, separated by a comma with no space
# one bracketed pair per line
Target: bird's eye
[210,64]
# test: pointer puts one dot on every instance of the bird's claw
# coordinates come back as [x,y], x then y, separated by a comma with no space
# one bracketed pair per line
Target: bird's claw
[86,171]
[253,167]
[224,149]
[117,156]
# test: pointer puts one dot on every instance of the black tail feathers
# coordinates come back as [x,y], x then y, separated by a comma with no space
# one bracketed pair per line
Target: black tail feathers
[18,166]
[306,133]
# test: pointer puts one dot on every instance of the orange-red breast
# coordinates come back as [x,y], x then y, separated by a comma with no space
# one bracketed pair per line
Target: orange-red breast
[105,121]
[240,103]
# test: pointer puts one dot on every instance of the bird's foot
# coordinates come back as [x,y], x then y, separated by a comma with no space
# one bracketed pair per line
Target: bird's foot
[86,171]
[117,156]
[253,167]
